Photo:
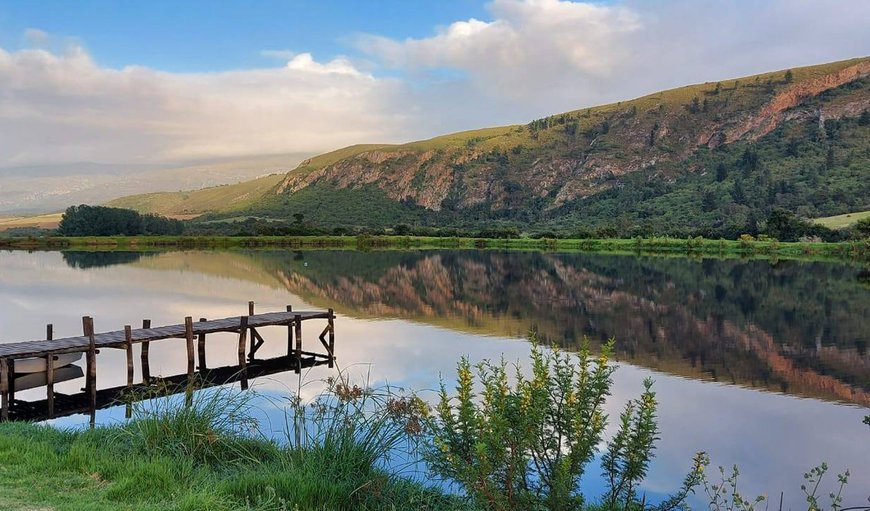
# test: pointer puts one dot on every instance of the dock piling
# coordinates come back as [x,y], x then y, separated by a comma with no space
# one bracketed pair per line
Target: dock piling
[4,389]
[128,345]
[297,322]
[146,367]
[92,367]
[331,347]
[243,334]
[289,334]
[188,336]
[201,347]
[49,373]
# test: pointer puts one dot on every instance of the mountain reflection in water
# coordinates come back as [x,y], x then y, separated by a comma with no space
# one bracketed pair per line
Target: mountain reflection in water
[794,327]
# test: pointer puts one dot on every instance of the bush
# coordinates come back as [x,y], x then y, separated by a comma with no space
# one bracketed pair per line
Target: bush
[87,220]
[527,445]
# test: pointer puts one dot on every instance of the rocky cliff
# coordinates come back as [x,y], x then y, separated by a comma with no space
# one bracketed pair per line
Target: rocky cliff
[554,161]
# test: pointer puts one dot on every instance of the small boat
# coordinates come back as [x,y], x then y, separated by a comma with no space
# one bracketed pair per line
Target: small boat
[34,380]
[38,365]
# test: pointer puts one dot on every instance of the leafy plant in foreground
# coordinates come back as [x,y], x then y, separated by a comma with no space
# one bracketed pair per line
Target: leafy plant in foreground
[725,495]
[527,445]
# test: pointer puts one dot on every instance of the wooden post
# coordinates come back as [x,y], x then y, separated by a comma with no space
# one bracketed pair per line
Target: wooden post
[4,389]
[128,344]
[297,320]
[243,366]
[289,334]
[188,336]
[11,384]
[128,337]
[146,368]
[49,373]
[201,347]
[92,369]
[49,383]
[251,348]
[331,338]
[86,324]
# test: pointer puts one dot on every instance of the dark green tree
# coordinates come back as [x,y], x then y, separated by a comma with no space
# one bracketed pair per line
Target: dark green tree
[721,171]
[87,220]
[709,201]
[830,159]
[752,224]
[737,192]
[789,76]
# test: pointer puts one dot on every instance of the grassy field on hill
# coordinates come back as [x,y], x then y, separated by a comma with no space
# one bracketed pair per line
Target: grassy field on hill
[47,221]
[193,203]
[840,221]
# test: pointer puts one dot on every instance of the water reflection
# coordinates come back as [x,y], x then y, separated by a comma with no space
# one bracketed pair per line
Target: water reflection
[80,403]
[85,260]
[793,327]
[800,329]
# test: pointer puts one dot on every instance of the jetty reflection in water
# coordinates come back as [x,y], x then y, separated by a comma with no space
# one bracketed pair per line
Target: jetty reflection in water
[716,335]
[66,405]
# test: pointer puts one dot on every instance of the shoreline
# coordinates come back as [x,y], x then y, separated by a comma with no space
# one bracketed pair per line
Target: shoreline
[854,251]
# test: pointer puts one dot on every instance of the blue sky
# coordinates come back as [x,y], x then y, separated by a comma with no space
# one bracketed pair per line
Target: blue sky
[221,35]
[168,82]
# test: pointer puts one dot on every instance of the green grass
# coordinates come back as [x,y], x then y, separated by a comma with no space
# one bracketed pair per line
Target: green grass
[849,251]
[841,221]
[198,456]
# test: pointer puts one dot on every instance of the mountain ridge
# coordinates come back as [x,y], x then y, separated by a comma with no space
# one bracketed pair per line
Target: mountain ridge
[547,170]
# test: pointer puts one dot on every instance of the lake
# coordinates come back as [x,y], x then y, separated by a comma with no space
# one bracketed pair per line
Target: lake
[761,364]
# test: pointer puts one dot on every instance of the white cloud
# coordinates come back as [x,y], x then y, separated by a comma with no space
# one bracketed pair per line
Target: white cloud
[62,106]
[529,58]
[529,47]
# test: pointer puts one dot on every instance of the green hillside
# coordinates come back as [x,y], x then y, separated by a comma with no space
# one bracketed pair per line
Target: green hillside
[713,159]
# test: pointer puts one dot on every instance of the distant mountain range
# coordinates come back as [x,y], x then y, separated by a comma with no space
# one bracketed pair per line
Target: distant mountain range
[45,188]
[716,156]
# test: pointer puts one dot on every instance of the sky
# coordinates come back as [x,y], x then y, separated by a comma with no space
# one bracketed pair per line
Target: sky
[166,81]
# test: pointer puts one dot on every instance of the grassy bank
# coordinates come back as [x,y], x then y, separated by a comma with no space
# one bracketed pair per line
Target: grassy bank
[204,457]
[204,452]
[852,250]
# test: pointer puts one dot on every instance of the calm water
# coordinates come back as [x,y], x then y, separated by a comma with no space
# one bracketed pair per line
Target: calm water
[761,365]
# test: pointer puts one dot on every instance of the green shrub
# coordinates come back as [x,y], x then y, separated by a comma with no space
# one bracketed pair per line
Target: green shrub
[527,445]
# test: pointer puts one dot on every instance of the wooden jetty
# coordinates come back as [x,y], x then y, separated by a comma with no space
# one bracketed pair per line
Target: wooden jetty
[194,334]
